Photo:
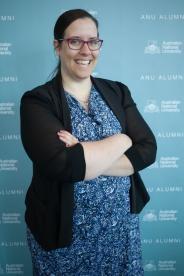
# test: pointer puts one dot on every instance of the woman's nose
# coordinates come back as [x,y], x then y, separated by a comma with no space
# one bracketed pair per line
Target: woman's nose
[85,49]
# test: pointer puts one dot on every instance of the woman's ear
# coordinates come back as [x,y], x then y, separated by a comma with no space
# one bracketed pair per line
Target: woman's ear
[56,46]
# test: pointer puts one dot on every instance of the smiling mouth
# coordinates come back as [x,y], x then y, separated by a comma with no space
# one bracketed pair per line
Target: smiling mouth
[83,62]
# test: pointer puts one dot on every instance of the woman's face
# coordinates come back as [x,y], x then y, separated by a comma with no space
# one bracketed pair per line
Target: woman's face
[78,64]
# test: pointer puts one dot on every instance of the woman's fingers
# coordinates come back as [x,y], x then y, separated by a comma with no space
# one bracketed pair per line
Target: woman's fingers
[67,138]
[63,138]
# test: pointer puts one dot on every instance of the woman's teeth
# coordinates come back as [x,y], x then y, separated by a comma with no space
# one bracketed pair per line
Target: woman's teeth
[83,62]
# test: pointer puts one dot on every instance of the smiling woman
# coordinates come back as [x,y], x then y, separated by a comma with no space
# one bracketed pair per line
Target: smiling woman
[78,59]
[83,202]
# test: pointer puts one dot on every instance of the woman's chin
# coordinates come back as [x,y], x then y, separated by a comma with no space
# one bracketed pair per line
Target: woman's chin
[83,75]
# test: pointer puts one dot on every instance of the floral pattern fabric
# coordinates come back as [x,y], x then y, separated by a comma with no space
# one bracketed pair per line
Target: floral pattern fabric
[106,236]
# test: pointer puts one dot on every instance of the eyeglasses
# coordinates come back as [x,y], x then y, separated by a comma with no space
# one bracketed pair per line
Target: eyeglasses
[77,43]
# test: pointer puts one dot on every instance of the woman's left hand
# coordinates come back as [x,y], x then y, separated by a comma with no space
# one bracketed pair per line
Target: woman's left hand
[67,138]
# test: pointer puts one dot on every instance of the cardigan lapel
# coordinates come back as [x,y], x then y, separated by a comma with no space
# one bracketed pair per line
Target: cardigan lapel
[60,102]
[113,96]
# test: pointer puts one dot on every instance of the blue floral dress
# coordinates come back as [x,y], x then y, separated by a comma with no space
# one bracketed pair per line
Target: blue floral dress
[106,237]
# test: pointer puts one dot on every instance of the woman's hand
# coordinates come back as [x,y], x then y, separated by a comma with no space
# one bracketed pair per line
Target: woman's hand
[67,138]
[103,157]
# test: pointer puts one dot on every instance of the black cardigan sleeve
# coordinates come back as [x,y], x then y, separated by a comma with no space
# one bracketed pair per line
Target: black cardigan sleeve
[39,127]
[142,153]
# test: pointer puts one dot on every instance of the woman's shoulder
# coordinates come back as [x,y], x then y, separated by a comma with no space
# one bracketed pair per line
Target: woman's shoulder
[116,86]
[41,92]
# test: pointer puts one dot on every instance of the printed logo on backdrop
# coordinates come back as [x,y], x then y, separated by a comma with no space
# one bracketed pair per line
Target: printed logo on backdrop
[10,137]
[167,265]
[162,77]
[5,49]
[10,218]
[165,189]
[162,17]
[152,106]
[8,79]
[13,244]
[8,165]
[166,163]
[150,215]
[152,47]
[164,47]
[14,269]
[12,192]
[162,241]
[170,134]
[170,106]
[162,215]
[7,18]
[149,265]
[7,108]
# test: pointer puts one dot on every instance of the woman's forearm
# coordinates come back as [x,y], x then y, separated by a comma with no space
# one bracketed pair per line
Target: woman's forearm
[101,155]
[121,167]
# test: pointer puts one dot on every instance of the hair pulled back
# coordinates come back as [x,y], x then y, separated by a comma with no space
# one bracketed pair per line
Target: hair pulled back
[64,20]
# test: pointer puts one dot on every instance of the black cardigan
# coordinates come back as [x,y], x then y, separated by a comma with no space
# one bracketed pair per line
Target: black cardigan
[50,197]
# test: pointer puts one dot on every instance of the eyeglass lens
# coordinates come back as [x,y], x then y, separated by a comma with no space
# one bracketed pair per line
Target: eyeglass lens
[77,44]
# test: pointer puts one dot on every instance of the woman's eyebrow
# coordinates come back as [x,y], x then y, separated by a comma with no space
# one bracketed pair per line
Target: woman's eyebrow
[75,36]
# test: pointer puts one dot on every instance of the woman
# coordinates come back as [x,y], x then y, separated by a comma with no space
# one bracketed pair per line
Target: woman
[87,142]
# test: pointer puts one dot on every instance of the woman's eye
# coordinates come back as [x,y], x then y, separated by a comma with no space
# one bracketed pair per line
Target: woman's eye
[75,41]
[94,42]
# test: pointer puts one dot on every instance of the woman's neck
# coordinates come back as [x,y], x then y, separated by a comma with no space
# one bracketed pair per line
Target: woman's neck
[79,89]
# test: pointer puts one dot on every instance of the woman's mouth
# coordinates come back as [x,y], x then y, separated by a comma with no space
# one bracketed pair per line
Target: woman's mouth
[83,62]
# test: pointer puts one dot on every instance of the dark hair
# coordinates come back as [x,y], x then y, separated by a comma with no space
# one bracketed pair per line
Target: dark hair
[64,20]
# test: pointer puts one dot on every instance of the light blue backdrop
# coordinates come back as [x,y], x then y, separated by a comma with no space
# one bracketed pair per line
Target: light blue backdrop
[143,47]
